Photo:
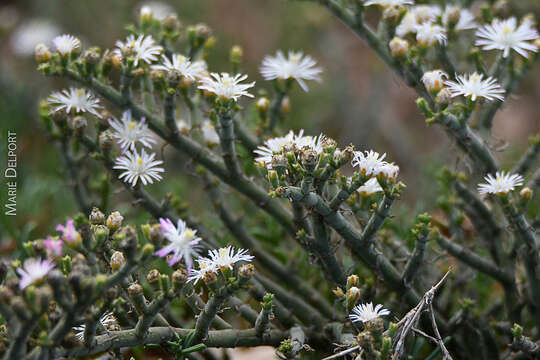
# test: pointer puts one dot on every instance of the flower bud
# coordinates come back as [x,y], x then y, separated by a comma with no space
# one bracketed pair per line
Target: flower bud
[117,260]
[153,276]
[135,290]
[179,276]
[375,326]
[78,124]
[434,80]
[92,56]
[285,105]
[444,97]
[526,193]
[171,23]
[352,280]
[273,178]
[236,54]
[453,15]
[353,294]
[42,53]
[263,104]
[338,292]
[114,221]
[246,271]
[155,234]
[399,47]
[146,14]
[106,140]
[96,217]
[148,250]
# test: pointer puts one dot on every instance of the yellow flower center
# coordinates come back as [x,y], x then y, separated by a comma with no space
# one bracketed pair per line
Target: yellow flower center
[139,160]
[189,234]
[131,125]
[507,29]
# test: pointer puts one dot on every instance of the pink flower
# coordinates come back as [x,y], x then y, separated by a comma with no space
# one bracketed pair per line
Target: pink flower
[54,247]
[69,234]
[33,270]
[183,242]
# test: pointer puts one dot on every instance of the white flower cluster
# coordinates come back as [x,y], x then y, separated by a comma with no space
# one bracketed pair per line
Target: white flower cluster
[222,259]
[371,163]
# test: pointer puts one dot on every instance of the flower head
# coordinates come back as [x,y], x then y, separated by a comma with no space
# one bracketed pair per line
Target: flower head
[179,64]
[366,312]
[226,257]
[139,167]
[199,69]
[129,132]
[69,234]
[142,48]
[388,3]
[373,164]
[465,18]
[226,86]
[80,100]
[295,66]
[106,320]
[474,86]
[278,145]
[429,34]
[53,247]
[502,183]
[417,15]
[183,242]
[506,35]
[66,44]
[210,135]
[370,187]
[434,80]
[33,270]
[206,266]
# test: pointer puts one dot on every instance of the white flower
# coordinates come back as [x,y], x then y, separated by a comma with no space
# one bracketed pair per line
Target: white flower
[179,64]
[373,164]
[416,16]
[225,86]
[158,9]
[474,86]
[139,167]
[183,126]
[290,141]
[199,69]
[429,34]
[205,266]
[398,46]
[366,312]
[106,320]
[78,99]
[129,132]
[30,33]
[370,187]
[505,35]
[466,18]
[295,66]
[434,80]
[33,270]
[226,257]
[388,3]
[66,44]
[143,48]
[502,183]
[183,242]
[209,133]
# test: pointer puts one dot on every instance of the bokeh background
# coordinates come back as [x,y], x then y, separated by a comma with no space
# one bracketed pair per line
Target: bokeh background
[360,101]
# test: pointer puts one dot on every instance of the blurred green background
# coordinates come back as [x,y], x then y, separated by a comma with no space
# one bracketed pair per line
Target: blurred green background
[360,101]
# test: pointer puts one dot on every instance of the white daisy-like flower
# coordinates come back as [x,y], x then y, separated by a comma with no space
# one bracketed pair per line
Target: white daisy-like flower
[474,86]
[79,100]
[183,242]
[388,3]
[370,187]
[129,132]
[66,44]
[226,257]
[290,141]
[501,183]
[179,64]
[296,66]
[106,320]
[434,80]
[143,48]
[33,270]
[429,34]
[199,69]
[205,266]
[371,163]
[366,312]
[466,18]
[159,10]
[226,86]
[210,135]
[139,167]
[506,35]
[416,16]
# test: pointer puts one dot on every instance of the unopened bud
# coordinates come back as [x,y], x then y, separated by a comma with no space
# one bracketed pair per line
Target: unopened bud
[526,193]
[42,53]
[246,271]
[135,289]
[171,23]
[153,276]
[117,259]
[273,178]
[444,97]
[399,47]
[353,294]
[338,292]
[285,105]
[179,276]
[155,233]
[453,15]
[146,14]
[78,124]
[114,221]
[375,326]
[236,54]
[92,56]
[263,104]
[106,140]
[96,217]
[148,250]
[352,280]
